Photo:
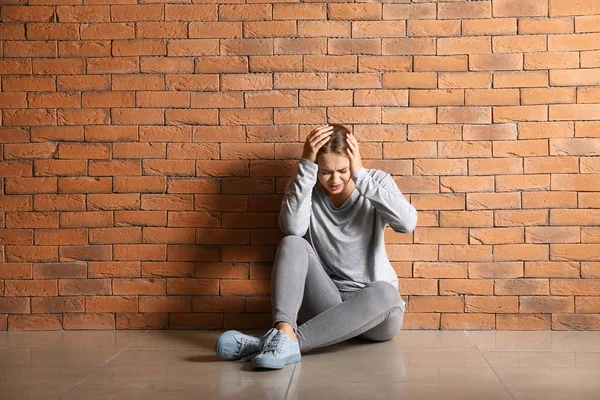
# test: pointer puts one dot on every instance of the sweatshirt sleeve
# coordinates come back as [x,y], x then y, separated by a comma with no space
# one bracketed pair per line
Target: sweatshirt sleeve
[387,200]
[297,200]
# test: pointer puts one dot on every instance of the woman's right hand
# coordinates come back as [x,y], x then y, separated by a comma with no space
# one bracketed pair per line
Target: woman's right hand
[315,140]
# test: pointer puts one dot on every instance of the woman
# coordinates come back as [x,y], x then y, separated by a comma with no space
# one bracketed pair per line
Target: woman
[331,270]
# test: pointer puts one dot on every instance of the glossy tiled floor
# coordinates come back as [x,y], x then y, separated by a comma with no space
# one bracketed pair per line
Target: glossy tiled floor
[168,365]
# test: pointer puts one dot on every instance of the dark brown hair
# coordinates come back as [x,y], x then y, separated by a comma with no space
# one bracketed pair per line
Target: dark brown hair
[337,142]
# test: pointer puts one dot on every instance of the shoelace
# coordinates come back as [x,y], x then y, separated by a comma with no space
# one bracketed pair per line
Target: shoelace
[263,346]
[275,344]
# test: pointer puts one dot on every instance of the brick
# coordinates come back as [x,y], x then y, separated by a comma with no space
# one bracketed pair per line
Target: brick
[345,63]
[409,80]
[58,66]
[339,46]
[467,321]
[586,129]
[520,217]
[27,13]
[553,25]
[184,47]
[553,60]
[354,12]
[418,286]
[38,322]
[496,62]
[466,115]
[265,29]
[245,287]
[466,183]
[57,304]
[586,305]
[482,201]
[520,8]
[547,96]
[408,115]
[583,77]
[59,270]
[188,286]
[299,11]
[14,305]
[449,80]
[483,27]
[440,235]
[432,28]
[358,81]
[91,321]
[149,286]
[511,287]
[496,270]
[557,234]
[405,46]
[110,269]
[575,42]
[574,146]
[523,322]
[551,269]
[465,253]
[490,132]
[520,113]
[583,251]
[464,45]
[443,201]
[324,28]
[377,29]
[196,12]
[575,7]
[466,286]
[142,321]
[146,12]
[567,112]
[437,132]
[586,24]
[436,304]
[31,49]
[448,97]
[409,11]
[300,80]
[111,304]
[587,95]
[491,97]
[491,304]
[107,31]
[441,63]
[577,287]
[480,9]
[439,270]
[36,287]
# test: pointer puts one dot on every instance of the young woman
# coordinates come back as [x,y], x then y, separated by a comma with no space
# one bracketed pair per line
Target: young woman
[331,271]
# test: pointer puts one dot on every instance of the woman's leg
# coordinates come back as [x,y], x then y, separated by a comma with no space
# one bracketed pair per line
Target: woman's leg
[376,312]
[299,283]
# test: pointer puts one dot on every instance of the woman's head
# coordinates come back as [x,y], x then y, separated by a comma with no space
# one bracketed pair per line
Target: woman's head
[334,164]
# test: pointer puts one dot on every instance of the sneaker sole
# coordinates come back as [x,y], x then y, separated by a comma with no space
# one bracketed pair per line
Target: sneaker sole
[221,343]
[275,364]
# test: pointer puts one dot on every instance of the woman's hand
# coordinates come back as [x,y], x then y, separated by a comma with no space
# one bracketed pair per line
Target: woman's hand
[353,153]
[315,140]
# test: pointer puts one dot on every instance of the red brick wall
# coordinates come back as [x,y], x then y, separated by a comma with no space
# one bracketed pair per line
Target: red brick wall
[145,148]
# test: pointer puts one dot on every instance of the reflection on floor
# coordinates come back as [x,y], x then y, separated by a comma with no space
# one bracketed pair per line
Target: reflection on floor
[416,365]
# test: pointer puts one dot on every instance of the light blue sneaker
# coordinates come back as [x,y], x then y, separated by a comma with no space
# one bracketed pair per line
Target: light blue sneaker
[278,352]
[237,346]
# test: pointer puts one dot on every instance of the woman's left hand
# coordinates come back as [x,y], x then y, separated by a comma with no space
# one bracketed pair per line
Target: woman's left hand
[353,153]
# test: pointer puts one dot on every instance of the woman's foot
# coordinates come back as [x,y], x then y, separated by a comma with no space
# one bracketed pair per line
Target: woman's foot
[278,352]
[234,345]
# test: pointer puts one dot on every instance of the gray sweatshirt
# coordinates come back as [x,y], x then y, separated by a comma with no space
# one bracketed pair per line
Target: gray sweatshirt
[348,240]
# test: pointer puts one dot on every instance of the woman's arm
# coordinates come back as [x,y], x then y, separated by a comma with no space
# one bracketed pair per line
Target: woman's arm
[297,200]
[387,200]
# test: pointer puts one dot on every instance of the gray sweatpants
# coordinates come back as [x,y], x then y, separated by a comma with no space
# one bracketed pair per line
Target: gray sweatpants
[301,289]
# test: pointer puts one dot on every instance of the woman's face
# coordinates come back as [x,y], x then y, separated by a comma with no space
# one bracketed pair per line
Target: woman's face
[334,172]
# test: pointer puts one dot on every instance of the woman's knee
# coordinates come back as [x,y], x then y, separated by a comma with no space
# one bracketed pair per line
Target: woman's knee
[294,241]
[387,329]
[386,294]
